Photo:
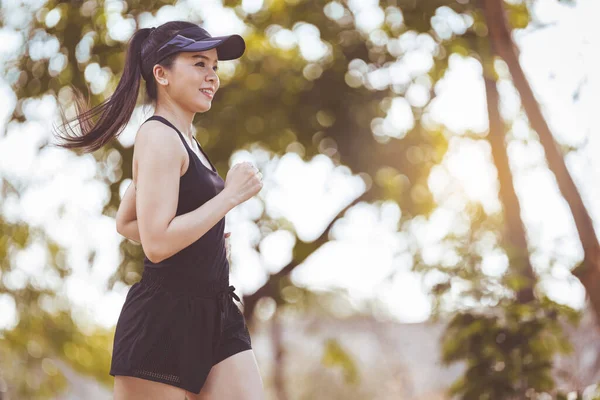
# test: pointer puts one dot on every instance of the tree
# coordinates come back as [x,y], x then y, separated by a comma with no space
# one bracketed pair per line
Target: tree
[588,272]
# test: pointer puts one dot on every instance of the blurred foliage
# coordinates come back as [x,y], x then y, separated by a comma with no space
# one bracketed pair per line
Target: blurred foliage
[29,359]
[509,349]
[280,100]
[334,355]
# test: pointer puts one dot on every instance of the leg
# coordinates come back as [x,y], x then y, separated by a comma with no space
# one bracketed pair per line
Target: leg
[132,388]
[235,378]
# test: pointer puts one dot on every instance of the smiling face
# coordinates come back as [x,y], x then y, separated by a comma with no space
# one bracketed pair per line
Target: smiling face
[191,76]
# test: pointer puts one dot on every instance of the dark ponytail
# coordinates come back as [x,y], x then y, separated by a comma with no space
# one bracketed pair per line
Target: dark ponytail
[115,112]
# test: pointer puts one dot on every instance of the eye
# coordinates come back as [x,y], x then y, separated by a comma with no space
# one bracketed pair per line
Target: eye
[202,63]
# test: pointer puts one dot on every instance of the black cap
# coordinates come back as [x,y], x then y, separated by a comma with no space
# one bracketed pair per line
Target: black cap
[195,38]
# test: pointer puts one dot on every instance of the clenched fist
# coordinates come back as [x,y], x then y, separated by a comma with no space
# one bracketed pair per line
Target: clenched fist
[243,181]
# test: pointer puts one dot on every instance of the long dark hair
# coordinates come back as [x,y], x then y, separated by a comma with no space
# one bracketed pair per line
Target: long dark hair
[116,111]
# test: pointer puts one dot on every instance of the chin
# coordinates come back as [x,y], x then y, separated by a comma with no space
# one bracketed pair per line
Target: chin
[202,106]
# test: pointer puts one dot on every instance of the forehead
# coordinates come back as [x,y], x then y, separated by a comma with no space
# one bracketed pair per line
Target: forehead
[208,55]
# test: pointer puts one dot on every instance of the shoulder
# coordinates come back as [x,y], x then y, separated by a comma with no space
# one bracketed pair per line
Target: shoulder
[159,140]
[156,131]
[156,135]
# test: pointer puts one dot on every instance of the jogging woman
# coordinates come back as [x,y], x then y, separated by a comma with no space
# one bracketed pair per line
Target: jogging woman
[179,334]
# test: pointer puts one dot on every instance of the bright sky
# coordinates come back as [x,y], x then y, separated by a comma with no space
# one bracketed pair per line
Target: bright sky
[64,198]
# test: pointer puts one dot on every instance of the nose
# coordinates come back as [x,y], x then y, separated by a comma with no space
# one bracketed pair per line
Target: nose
[212,76]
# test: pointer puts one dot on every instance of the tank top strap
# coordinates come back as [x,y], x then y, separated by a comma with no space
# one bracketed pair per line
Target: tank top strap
[166,122]
[187,146]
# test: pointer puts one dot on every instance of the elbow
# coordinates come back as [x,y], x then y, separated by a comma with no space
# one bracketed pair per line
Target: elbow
[153,257]
[154,245]
[125,229]
[120,227]
[153,253]
[121,224]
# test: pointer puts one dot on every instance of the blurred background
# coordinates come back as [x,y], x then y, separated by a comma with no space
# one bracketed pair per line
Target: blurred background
[428,227]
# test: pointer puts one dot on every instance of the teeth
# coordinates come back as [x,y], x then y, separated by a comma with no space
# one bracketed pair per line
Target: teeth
[206,91]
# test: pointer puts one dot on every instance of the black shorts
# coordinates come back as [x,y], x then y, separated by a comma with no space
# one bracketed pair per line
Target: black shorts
[174,327]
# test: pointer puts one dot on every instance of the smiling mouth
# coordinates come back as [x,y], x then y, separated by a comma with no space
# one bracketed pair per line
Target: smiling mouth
[210,95]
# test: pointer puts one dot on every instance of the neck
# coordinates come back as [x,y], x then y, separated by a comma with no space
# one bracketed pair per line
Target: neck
[182,119]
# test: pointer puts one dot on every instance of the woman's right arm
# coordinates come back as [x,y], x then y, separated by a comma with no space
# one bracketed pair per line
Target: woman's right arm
[159,159]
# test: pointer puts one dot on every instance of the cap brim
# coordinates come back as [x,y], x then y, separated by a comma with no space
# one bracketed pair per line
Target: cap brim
[228,47]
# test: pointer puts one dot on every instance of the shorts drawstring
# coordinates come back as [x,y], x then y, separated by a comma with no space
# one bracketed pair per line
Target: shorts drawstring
[223,309]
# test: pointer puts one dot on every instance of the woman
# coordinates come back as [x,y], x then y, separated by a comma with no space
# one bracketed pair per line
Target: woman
[180,334]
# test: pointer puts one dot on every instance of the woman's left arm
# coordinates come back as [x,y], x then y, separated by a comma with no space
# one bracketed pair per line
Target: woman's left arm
[126,216]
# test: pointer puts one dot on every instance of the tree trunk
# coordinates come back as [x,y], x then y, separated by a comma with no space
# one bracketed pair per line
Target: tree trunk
[589,270]
[514,238]
[278,355]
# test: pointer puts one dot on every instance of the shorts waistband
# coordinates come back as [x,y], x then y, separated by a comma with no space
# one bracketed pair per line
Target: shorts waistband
[182,281]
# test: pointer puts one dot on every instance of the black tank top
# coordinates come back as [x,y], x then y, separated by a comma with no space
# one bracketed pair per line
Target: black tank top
[196,186]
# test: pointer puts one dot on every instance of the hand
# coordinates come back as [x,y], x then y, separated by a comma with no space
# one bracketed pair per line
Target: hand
[228,247]
[243,181]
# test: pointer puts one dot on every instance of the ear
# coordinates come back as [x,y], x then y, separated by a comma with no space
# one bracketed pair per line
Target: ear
[160,75]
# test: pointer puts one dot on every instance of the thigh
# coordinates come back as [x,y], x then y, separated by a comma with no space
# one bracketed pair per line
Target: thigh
[132,388]
[236,377]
